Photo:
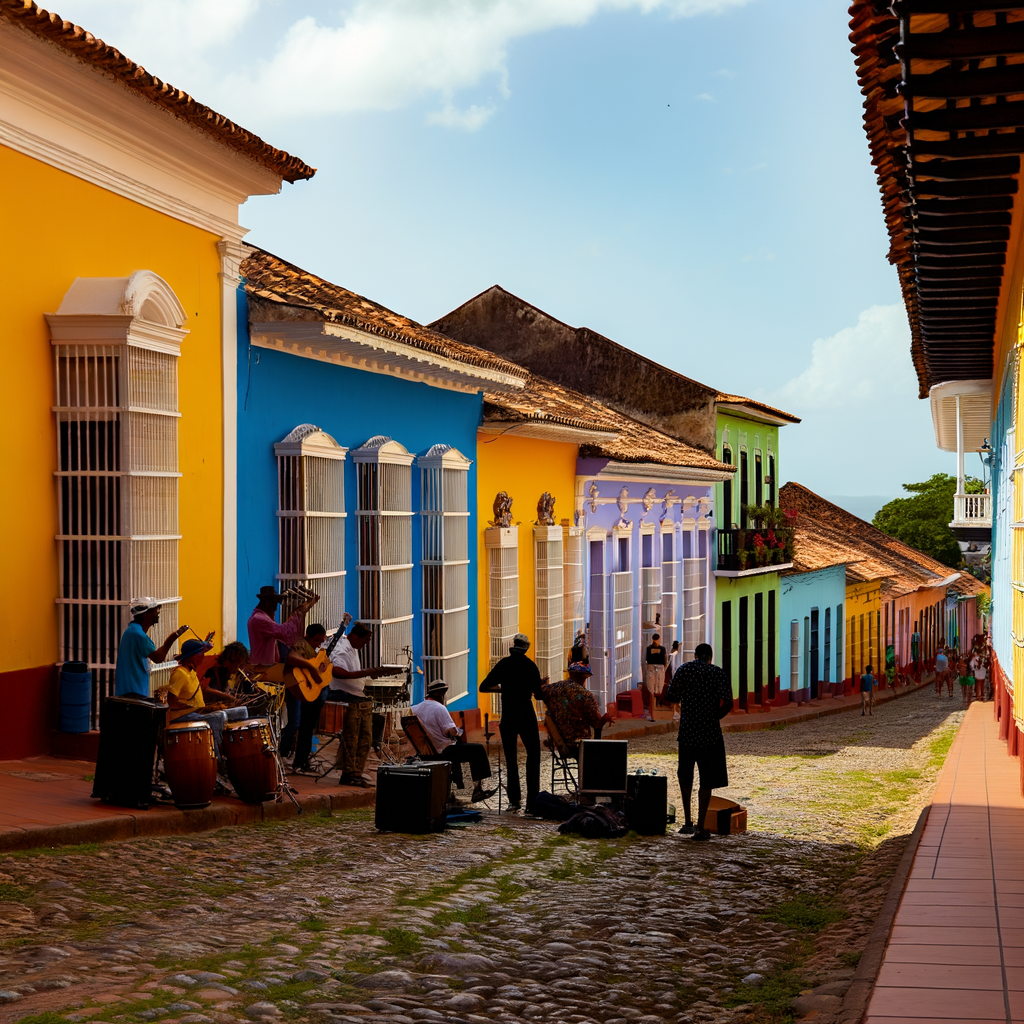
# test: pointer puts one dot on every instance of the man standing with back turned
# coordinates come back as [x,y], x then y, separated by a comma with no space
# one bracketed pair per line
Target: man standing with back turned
[704,694]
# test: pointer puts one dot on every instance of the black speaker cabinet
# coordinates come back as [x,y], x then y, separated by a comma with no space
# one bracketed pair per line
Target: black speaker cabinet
[127,750]
[603,766]
[413,797]
[647,804]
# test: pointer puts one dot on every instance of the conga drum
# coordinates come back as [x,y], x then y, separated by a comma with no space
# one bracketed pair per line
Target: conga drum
[190,763]
[252,768]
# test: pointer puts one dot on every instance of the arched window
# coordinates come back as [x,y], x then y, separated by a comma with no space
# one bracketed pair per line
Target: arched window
[725,513]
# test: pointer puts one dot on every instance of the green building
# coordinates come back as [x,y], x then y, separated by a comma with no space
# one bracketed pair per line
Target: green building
[753,549]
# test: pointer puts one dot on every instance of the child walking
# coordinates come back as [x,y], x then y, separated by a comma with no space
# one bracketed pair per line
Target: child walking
[867,692]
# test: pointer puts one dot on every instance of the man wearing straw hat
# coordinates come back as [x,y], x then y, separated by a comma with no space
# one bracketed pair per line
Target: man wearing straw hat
[137,650]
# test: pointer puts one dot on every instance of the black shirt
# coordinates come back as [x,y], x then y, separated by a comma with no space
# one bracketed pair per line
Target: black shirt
[656,655]
[697,688]
[517,679]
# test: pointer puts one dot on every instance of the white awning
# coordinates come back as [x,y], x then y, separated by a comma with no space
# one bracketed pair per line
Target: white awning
[975,408]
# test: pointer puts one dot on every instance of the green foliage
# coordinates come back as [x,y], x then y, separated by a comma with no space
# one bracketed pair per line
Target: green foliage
[984,604]
[49,1017]
[12,893]
[806,912]
[401,942]
[922,520]
[772,999]
[313,924]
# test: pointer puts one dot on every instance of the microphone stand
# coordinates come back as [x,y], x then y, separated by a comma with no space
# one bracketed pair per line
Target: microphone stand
[487,737]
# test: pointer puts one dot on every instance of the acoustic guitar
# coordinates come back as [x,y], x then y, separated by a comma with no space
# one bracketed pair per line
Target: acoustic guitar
[309,684]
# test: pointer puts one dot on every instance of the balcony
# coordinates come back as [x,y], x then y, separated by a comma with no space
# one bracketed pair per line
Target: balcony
[754,551]
[972,511]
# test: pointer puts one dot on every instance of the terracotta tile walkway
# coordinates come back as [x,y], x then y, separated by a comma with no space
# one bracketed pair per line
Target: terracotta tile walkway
[957,946]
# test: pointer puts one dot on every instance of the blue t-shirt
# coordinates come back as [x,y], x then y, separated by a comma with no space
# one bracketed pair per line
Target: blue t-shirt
[867,682]
[132,673]
[941,663]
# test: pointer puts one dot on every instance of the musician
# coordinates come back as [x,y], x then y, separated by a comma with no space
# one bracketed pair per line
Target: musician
[573,707]
[264,636]
[438,725]
[517,679]
[136,650]
[187,697]
[223,673]
[348,686]
[303,655]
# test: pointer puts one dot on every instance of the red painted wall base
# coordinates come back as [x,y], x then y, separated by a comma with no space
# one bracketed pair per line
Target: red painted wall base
[28,698]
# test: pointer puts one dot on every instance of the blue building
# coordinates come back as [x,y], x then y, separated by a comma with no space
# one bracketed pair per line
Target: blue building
[356,437]
[811,606]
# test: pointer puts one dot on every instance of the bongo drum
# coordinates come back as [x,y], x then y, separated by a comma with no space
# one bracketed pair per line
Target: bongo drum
[252,769]
[190,764]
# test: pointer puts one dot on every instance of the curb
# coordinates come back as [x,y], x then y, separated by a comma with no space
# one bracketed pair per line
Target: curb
[855,1002]
[171,821]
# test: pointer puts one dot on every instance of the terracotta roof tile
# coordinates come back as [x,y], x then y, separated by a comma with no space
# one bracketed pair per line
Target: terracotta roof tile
[86,47]
[544,400]
[762,406]
[279,290]
[829,535]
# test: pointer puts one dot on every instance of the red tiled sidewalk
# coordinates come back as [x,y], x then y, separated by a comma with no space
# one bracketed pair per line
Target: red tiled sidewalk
[956,951]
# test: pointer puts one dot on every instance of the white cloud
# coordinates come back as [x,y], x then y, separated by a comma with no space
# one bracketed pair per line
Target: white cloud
[372,55]
[864,431]
[706,96]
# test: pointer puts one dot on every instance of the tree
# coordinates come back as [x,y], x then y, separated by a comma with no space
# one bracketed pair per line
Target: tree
[922,520]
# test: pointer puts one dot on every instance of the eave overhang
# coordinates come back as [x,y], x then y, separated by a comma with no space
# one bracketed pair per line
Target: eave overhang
[648,472]
[343,345]
[543,429]
[975,411]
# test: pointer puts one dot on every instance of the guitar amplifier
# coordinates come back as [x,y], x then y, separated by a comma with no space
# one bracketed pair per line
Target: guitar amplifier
[413,798]
[603,766]
[127,750]
[647,804]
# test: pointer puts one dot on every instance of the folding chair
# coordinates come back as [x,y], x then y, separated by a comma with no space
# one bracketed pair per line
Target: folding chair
[425,749]
[564,760]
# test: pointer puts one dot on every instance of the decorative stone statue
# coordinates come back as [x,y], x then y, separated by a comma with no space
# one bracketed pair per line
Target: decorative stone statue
[546,510]
[649,499]
[502,509]
[593,493]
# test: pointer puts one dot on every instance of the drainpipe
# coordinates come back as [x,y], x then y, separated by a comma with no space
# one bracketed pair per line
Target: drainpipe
[794,658]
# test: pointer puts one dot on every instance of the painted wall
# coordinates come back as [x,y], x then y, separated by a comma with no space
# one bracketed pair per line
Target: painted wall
[739,433]
[525,468]
[863,613]
[801,594]
[732,590]
[277,392]
[84,231]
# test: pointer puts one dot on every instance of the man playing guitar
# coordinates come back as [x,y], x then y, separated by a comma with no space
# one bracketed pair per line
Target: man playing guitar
[303,655]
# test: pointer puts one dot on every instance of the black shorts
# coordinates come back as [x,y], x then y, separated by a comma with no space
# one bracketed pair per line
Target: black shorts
[710,761]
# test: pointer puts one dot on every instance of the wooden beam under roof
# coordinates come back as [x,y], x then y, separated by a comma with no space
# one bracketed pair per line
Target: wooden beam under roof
[982,145]
[905,8]
[939,222]
[968,188]
[952,207]
[965,249]
[934,234]
[963,44]
[956,85]
[958,170]
[970,119]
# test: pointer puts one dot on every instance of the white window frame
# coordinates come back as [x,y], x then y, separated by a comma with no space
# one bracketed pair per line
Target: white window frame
[670,572]
[650,587]
[384,543]
[116,343]
[601,683]
[548,571]
[444,516]
[311,521]
[573,562]
[621,600]
[502,546]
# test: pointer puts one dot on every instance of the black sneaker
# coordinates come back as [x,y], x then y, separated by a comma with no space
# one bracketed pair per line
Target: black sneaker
[702,835]
[687,830]
[481,794]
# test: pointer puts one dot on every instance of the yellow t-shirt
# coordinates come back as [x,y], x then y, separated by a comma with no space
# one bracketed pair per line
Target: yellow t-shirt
[184,687]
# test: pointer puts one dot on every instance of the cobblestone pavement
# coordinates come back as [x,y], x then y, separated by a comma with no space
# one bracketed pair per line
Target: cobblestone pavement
[505,921]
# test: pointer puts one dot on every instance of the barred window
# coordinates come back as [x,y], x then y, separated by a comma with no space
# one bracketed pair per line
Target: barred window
[444,510]
[502,546]
[311,521]
[573,614]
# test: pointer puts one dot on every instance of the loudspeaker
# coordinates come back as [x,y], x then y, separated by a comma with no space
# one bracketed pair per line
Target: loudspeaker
[647,804]
[127,750]
[413,797]
[603,766]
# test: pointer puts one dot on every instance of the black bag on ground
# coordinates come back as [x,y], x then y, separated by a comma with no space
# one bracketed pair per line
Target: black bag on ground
[597,822]
[554,808]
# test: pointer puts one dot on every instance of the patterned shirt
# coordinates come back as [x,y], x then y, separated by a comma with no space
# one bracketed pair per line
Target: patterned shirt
[697,688]
[574,709]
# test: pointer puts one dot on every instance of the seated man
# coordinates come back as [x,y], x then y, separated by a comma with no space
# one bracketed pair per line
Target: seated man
[438,725]
[187,696]
[573,707]
[223,674]
[307,711]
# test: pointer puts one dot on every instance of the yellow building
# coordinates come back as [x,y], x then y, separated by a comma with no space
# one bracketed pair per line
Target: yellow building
[120,265]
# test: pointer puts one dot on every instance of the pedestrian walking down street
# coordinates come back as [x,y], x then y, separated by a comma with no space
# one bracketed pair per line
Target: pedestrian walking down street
[704,695]
[518,680]
[979,673]
[966,681]
[941,669]
[867,691]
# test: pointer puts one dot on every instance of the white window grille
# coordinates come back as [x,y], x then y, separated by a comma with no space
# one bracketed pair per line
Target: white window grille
[116,343]
[695,586]
[502,546]
[601,683]
[669,585]
[573,617]
[384,523]
[650,585]
[444,508]
[621,600]
[548,569]
[311,521]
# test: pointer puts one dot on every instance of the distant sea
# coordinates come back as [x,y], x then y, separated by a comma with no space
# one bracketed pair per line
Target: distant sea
[863,506]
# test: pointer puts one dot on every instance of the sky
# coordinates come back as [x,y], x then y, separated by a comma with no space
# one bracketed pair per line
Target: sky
[687,177]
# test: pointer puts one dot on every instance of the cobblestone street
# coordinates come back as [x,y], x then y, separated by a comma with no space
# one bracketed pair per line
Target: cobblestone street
[506,920]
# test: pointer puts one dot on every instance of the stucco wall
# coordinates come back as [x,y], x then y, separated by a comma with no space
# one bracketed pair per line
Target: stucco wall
[800,594]
[277,392]
[733,589]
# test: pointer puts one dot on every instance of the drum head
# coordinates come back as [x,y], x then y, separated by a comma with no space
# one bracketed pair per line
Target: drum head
[188,727]
[246,723]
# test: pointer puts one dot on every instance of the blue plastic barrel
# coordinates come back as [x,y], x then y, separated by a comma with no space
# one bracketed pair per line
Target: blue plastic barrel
[75,696]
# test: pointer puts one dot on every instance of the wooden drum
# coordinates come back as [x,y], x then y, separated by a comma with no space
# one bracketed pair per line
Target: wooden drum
[190,764]
[249,748]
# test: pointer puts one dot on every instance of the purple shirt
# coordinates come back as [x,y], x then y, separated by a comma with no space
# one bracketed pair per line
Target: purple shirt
[265,632]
